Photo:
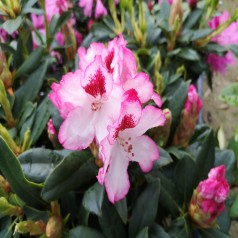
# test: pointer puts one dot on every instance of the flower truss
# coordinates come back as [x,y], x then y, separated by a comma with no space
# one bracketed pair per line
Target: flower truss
[102,102]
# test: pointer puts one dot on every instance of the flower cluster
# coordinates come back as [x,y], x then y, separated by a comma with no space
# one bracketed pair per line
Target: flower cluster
[226,37]
[102,102]
[208,199]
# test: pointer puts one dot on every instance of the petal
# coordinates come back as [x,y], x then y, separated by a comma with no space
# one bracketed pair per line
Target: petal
[100,9]
[145,152]
[151,117]
[97,82]
[68,94]
[77,131]
[157,99]
[141,83]
[116,180]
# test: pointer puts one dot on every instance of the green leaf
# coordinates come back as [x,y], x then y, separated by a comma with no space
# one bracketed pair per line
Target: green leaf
[93,199]
[156,231]
[144,213]
[199,34]
[30,89]
[230,95]
[224,220]
[227,158]
[12,25]
[6,228]
[183,174]
[7,48]
[84,232]
[212,233]
[234,208]
[215,48]
[76,170]
[31,63]
[28,191]
[176,105]
[143,233]
[189,54]
[110,222]
[35,215]
[121,207]
[193,18]
[234,49]
[38,163]
[205,159]
[164,159]
[43,113]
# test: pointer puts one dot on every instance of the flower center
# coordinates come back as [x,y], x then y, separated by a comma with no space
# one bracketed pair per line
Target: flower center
[126,145]
[95,106]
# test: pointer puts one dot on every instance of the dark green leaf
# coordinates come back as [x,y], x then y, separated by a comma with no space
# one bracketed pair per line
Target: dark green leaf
[28,191]
[38,163]
[43,113]
[199,34]
[110,222]
[143,233]
[76,169]
[35,215]
[213,233]
[121,207]
[234,208]
[227,158]
[230,95]
[30,89]
[157,231]
[31,63]
[93,199]
[224,220]
[216,48]
[84,232]
[7,48]
[193,18]
[183,174]
[6,228]
[189,54]
[176,104]
[144,213]
[12,25]
[205,160]
[164,159]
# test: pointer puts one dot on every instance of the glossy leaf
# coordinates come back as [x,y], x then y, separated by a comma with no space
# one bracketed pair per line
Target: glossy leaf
[193,18]
[12,25]
[38,163]
[84,232]
[156,231]
[42,116]
[164,159]
[93,199]
[199,34]
[189,54]
[145,210]
[121,207]
[110,222]
[212,233]
[10,167]
[30,89]
[205,159]
[76,169]
[31,63]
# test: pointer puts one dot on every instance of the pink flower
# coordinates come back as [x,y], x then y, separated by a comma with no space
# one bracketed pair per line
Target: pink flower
[209,197]
[229,35]
[100,10]
[88,101]
[126,143]
[219,64]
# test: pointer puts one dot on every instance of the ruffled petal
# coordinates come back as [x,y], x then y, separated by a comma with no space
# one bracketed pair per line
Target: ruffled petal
[77,131]
[151,117]
[145,152]
[116,180]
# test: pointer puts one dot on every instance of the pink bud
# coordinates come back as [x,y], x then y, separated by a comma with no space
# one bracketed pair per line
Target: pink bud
[192,3]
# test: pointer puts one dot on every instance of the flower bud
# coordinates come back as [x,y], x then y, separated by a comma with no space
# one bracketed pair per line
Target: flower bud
[33,228]
[188,119]
[54,227]
[4,187]
[53,134]
[192,3]
[7,209]
[161,134]
[208,199]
